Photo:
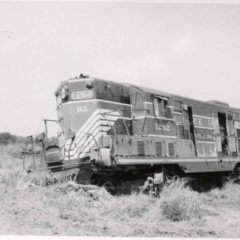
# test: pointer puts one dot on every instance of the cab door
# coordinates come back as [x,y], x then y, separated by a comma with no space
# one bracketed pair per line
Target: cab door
[139,112]
[231,135]
[217,133]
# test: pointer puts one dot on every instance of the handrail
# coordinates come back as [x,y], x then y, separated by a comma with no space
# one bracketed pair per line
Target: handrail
[103,114]
[84,133]
[84,146]
[124,122]
[87,135]
[93,126]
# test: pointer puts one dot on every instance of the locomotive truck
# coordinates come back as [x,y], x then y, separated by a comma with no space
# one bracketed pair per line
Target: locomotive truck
[121,131]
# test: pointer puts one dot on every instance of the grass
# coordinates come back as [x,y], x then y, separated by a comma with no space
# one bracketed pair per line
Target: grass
[180,203]
[30,206]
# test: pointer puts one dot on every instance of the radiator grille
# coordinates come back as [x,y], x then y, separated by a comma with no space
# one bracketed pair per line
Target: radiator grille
[158,146]
[140,148]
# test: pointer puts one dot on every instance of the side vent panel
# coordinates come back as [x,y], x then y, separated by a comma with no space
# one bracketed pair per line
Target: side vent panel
[140,148]
[171,150]
[158,146]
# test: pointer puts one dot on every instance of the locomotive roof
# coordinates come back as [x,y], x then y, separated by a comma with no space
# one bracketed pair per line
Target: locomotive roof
[153,91]
[215,104]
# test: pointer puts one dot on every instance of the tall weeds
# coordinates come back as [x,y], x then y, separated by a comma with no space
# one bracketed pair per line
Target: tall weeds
[91,210]
[179,202]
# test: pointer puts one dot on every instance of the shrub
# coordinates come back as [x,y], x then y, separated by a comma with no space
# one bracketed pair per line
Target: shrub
[6,138]
[178,202]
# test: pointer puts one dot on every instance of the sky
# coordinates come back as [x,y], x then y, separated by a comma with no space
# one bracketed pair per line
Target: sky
[188,49]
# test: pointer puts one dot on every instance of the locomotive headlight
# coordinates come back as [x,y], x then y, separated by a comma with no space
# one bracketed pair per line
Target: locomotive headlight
[89,84]
[64,93]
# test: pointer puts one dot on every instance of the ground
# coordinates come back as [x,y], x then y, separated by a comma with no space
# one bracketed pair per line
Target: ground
[29,207]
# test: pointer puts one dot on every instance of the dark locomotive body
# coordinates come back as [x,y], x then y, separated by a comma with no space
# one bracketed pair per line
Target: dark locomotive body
[114,129]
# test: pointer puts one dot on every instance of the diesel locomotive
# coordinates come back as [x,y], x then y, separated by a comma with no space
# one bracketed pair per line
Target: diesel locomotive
[120,130]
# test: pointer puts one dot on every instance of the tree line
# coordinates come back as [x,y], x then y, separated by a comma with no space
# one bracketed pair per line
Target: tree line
[7,138]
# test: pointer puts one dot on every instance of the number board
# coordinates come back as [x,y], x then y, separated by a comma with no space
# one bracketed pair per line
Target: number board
[201,121]
[80,95]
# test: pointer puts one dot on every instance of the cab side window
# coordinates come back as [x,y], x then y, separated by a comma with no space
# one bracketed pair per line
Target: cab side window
[162,108]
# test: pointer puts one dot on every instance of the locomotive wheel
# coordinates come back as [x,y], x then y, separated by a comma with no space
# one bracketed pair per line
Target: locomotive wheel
[96,179]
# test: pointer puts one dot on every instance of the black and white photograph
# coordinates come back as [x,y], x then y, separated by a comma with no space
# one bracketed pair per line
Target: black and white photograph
[120,119]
